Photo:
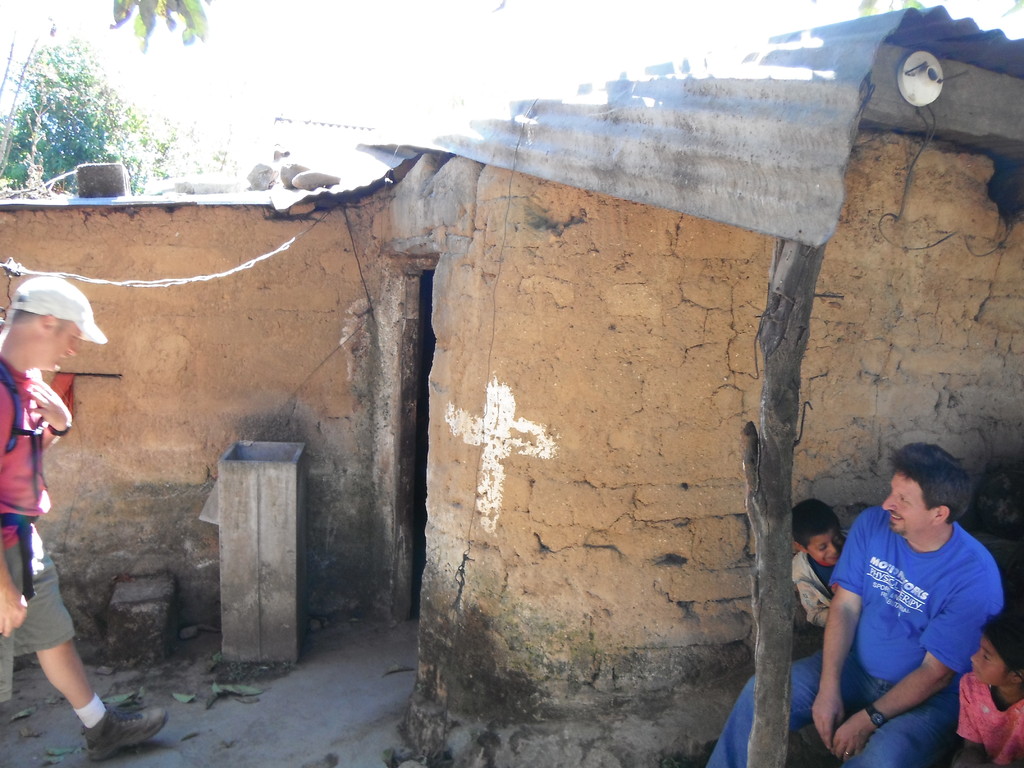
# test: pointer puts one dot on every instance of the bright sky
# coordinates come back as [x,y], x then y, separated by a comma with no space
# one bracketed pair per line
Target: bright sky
[377,61]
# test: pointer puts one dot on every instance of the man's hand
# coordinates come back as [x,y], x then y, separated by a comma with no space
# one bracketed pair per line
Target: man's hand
[12,609]
[827,713]
[926,680]
[48,405]
[853,735]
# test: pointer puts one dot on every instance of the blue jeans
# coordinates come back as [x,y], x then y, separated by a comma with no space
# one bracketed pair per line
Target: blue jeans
[915,739]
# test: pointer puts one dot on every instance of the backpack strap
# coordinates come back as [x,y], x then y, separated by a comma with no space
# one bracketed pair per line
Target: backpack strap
[16,429]
[22,522]
[35,436]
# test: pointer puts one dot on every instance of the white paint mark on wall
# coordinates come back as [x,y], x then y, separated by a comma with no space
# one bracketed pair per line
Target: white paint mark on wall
[494,431]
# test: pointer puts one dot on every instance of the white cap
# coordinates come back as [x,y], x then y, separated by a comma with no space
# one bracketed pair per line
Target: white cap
[56,296]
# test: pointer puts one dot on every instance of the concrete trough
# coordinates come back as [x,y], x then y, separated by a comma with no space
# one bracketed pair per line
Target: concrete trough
[261,510]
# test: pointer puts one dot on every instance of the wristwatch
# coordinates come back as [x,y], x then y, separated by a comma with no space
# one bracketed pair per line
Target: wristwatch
[877,718]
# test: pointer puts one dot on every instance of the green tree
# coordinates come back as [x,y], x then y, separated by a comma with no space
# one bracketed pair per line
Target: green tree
[14,76]
[69,115]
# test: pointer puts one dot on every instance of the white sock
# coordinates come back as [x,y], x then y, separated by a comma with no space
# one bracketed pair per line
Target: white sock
[92,712]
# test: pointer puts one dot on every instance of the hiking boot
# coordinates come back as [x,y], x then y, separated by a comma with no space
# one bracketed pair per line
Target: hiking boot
[122,729]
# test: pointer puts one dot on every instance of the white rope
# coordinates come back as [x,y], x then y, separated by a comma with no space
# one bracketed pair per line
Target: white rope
[15,269]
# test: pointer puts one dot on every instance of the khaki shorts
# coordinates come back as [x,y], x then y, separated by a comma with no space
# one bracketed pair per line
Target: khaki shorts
[47,623]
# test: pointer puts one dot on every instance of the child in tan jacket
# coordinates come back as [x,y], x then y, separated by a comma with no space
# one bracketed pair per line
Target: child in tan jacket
[817,542]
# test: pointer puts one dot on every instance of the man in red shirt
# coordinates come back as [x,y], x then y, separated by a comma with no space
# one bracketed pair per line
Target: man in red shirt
[46,321]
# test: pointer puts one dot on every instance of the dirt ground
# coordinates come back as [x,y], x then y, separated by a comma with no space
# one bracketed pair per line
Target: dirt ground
[340,705]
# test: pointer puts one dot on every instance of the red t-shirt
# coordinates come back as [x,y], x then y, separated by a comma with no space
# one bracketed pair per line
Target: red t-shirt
[18,492]
[1001,733]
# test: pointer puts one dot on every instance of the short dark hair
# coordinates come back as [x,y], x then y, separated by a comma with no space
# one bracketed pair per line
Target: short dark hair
[1006,633]
[943,481]
[812,517]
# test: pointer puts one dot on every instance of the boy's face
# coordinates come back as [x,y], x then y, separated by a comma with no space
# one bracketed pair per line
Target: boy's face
[823,548]
[990,668]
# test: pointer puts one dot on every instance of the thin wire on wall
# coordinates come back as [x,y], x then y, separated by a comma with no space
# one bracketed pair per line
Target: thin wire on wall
[460,572]
[909,182]
[14,269]
[930,127]
[362,320]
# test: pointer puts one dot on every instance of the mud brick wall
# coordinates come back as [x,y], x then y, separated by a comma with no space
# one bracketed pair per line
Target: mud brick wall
[587,546]
[593,371]
[910,340]
[280,352]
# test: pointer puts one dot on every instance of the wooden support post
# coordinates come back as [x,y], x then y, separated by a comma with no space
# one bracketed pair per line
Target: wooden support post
[768,464]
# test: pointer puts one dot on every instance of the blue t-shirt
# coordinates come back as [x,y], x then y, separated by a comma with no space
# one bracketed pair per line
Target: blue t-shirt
[916,602]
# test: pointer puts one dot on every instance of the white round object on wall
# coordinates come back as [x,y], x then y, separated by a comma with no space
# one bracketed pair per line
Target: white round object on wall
[920,78]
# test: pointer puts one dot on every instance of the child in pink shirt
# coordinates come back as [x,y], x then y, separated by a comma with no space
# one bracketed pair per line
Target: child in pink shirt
[992,698]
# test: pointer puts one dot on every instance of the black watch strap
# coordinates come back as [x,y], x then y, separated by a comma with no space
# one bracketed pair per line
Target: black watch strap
[876,717]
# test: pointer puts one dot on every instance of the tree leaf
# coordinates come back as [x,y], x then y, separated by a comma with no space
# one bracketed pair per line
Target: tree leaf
[241,690]
[122,11]
[184,698]
[23,714]
[141,33]
[195,18]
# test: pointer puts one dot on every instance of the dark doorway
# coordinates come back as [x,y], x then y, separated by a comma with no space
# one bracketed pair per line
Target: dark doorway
[427,342]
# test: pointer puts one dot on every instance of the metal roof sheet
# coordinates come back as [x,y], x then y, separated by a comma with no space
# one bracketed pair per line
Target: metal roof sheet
[761,141]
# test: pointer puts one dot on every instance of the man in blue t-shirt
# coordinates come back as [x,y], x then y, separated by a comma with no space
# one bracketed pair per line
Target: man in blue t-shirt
[913,592]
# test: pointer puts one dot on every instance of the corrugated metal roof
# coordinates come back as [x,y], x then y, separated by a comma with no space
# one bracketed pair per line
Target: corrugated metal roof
[761,142]
[961,40]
